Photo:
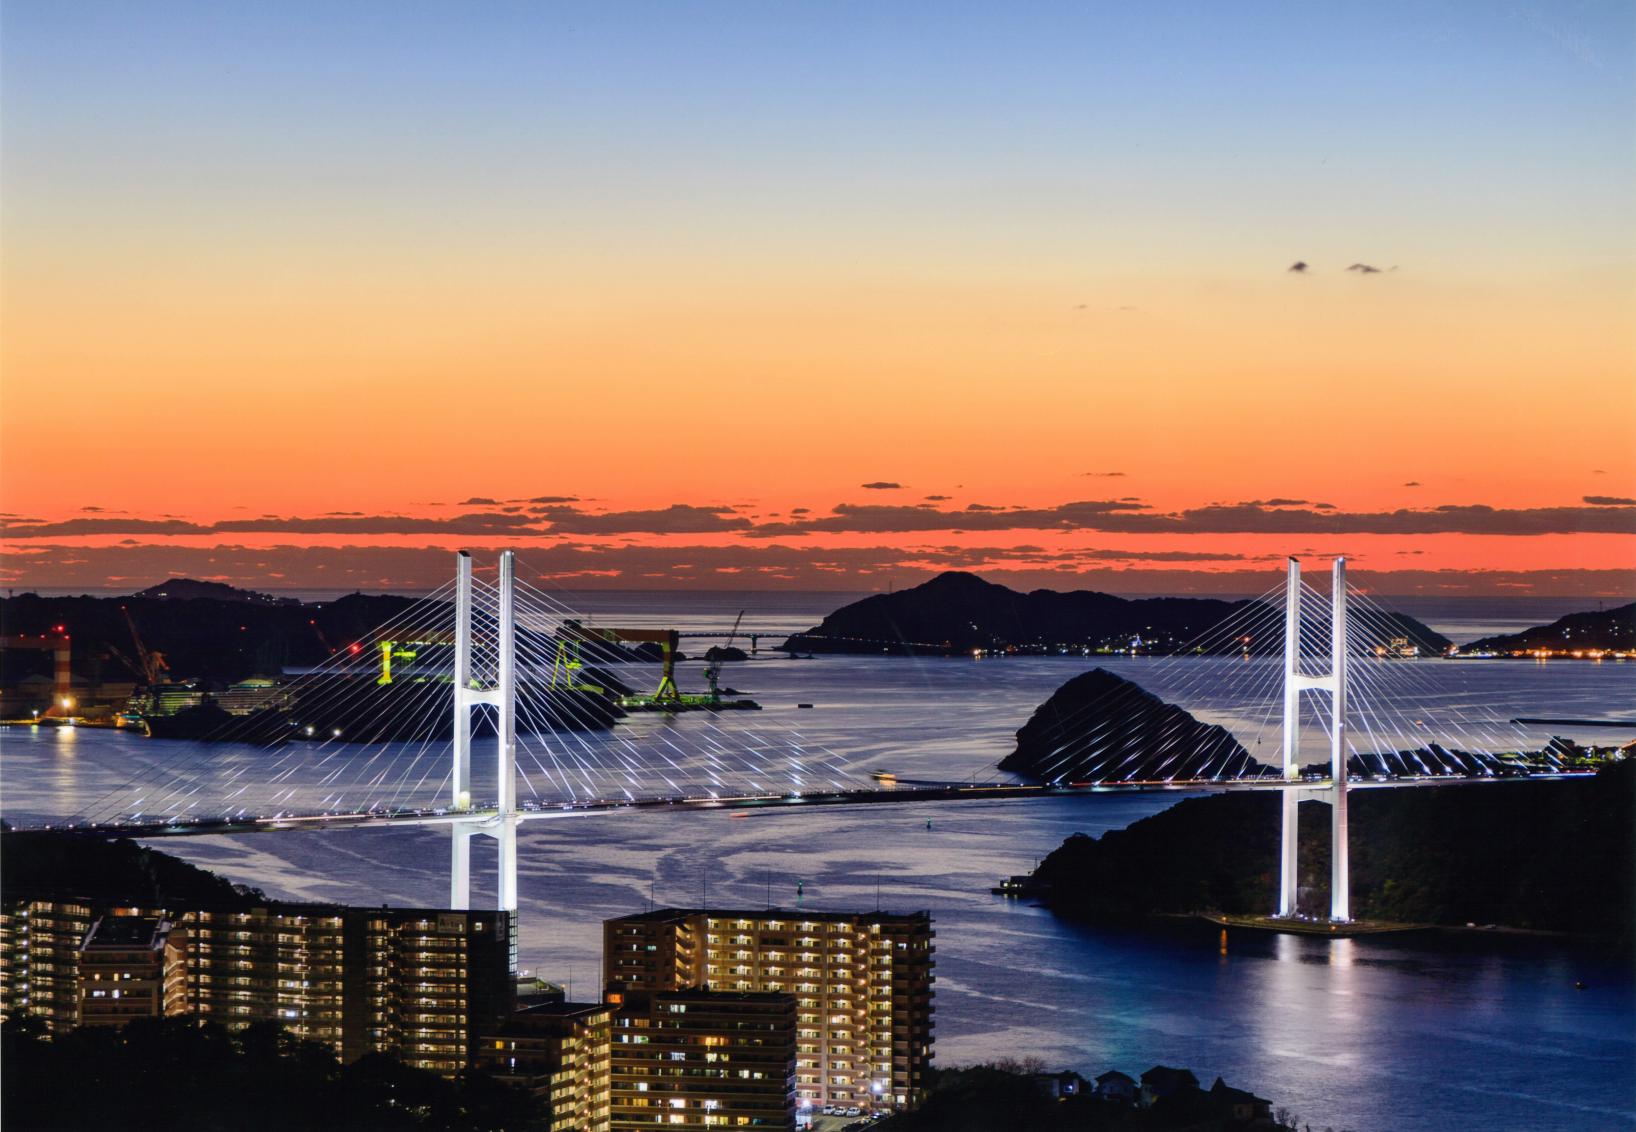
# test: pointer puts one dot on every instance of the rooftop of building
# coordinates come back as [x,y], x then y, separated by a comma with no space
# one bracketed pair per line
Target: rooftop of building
[794,915]
[127,933]
[561,1010]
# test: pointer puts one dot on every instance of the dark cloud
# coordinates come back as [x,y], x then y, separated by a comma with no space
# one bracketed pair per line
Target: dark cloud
[883,485]
[976,507]
[478,501]
[553,499]
[1610,501]
[872,519]
[1127,517]
[564,567]
[678,518]
[1104,475]
[475,523]
[1364,269]
[939,498]
[332,524]
[1412,483]
[1299,267]
[100,526]
[1275,502]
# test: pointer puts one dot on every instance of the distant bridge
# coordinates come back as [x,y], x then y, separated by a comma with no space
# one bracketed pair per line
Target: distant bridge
[903,794]
[756,765]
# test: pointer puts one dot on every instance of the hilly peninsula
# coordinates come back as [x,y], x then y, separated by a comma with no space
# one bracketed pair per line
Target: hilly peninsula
[1612,630]
[958,612]
[1546,855]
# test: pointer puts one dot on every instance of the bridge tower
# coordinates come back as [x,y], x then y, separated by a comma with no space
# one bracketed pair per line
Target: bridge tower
[501,694]
[1334,683]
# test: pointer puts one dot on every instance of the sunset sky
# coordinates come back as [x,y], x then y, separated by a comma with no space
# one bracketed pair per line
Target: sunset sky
[820,295]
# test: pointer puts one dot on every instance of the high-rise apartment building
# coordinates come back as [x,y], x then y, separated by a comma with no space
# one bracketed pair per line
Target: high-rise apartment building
[420,984]
[130,967]
[703,1059]
[558,1052]
[862,984]
[40,959]
[416,983]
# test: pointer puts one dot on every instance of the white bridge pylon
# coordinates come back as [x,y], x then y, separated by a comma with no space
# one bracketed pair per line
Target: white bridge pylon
[501,694]
[1334,683]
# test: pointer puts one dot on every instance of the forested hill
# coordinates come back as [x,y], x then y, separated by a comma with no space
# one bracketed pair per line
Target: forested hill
[201,629]
[1550,855]
[959,612]
[54,864]
[1612,629]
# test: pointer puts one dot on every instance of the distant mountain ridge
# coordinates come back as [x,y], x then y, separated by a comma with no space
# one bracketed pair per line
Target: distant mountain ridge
[1611,629]
[958,612]
[191,589]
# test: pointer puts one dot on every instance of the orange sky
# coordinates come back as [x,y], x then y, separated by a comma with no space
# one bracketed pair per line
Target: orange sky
[220,301]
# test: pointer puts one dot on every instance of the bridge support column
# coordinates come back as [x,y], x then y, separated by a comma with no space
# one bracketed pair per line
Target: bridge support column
[1334,682]
[1288,878]
[501,695]
[1340,875]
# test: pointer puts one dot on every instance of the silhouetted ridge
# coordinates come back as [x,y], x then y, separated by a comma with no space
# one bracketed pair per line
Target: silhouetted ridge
[1550,855]
[1599,629]
[1099,727]
[958,612]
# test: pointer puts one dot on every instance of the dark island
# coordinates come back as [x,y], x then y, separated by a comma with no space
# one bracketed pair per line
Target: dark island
[1556,856]
[1578,634]
[1099,727]
[958,612]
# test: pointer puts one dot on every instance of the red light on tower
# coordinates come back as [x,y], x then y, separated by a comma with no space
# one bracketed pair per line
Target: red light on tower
[355,648]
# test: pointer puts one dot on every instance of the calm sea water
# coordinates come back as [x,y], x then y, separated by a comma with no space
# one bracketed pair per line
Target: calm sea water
[1361,1034]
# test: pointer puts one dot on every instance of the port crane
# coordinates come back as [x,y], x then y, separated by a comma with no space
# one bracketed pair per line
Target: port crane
[149,664]
[667,695]
[712,668]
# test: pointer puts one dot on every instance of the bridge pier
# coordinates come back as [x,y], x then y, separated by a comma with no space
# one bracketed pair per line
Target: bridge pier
[501,695]
[1333,682]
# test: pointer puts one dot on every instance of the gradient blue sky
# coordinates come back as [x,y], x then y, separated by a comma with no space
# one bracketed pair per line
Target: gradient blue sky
[1057,232]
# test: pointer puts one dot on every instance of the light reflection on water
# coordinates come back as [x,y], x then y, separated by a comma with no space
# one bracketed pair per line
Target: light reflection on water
[1363,1033]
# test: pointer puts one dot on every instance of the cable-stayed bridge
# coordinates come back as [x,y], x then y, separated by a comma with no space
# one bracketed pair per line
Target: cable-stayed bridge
[483,726]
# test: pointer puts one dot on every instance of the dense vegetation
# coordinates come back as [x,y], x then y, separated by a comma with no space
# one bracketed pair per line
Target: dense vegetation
[64,865]
[172,1073]
[202,632]
[1600,629]
[1008,1097]
[958,612]
[1547,855]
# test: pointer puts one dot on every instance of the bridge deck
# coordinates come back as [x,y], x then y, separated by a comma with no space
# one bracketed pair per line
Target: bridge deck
[899,795]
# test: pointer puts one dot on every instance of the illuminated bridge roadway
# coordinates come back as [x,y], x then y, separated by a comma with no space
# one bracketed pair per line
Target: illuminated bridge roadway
[905,792]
